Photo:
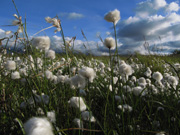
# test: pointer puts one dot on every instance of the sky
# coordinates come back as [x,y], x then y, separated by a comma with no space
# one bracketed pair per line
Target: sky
[154,22]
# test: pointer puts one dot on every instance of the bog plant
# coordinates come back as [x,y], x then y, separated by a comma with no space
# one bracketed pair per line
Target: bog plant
[44,93]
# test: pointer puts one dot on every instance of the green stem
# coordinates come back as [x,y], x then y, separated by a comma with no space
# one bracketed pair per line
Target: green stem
[116,52]
[66,47]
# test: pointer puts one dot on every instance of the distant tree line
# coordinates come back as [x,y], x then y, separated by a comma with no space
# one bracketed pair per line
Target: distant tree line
[176,52]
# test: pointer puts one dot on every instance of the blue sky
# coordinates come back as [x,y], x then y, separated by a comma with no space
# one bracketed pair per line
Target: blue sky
[91,21]
[139,18]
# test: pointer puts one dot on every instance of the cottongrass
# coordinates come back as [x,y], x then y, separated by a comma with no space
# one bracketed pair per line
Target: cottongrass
[10,65]
[113,16]
[78,103]
[38,126]
[109,42]
[41,42]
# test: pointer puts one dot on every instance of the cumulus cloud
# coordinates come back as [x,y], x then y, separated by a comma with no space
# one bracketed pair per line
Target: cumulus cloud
[92,47]
[72,16]
[149,7]
[2,33]
[173,6]
[147,25]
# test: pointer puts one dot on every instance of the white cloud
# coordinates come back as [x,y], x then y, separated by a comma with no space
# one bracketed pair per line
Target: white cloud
[173,6]
[108,33]
[147,25]
[151,7]
[72,16]
[2,33]
[159,4]
[95,48]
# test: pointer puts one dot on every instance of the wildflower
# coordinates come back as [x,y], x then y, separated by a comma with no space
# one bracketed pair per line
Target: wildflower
[115,79]
[48,74]
[40,111]
[137,90]
[109,42]
[173,80]
[10,65]
[125,107]
[50,54]
[148,81]
[16,16]
[55,22]
[78,81]
[133,78]
[177,66]
[87,116]
[166,76]
[157,76]
[73,70]
[63,60]
[41,42]
[148,72]
[68,43]
[142,81]
[38,126]
[127,88]
[77,102]
[101,65]
[15,75]
[110,87]
[78,123]
[57,64]
[23,71]
[59,72]
[54,79]
[88,73]
[125,69]
[62,78]
[113,16]
[18,22]
[51,116]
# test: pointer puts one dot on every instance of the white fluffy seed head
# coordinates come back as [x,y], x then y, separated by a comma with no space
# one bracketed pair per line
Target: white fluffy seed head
[15,75]
[157,76]
[109,42]
[78,103]
[78,81]
[113,16]
[172,80]
[41,42]
[137,90]
[50,54]
[78,123]
[88,73]
[142,81]
[125,69]
[87,116]
[10,65]
[48,74]
[38,126]
[148,72]
[51,116]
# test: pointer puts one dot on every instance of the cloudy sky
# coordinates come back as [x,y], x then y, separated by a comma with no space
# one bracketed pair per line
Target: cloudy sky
[154,22]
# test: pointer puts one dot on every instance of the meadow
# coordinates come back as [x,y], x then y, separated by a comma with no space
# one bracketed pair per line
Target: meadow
[45,93]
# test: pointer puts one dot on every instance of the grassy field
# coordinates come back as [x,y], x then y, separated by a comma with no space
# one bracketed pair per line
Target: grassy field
[126,105]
